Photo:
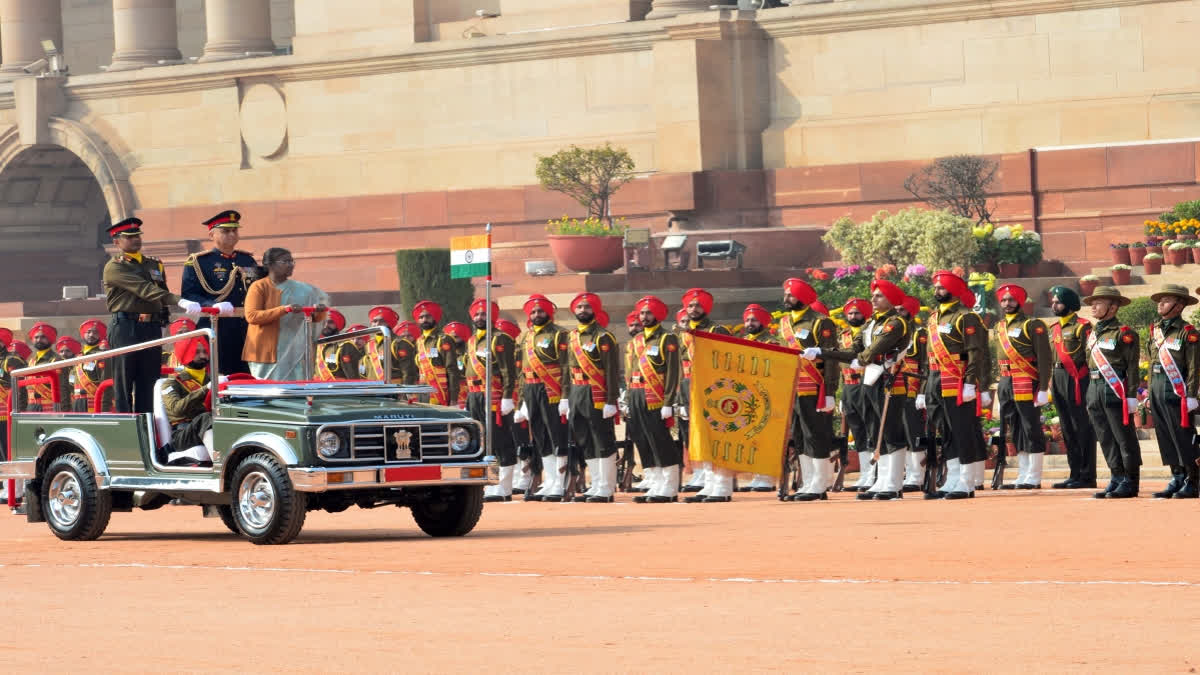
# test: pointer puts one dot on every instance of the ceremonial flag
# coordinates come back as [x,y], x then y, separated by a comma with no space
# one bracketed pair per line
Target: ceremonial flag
[741,403]
[470,256]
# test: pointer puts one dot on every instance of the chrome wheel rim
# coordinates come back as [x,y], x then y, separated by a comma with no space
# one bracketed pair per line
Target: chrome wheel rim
[64,499]
[256,500]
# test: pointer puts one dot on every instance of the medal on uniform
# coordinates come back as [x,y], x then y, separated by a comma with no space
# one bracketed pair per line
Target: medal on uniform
[1016,332]
[803,333]
[945,328]
[652,350]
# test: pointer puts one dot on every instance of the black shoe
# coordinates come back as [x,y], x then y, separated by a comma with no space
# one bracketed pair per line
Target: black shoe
[1126,490]
[912,488]
[662,500]
[959,495]
[888,496]
[742,489]
[580,498]
[497,498]
[936,494]
[1009,486]
[531,497]
[601,500]
[865,496]
[807,497]
[1112,485]
[1086,484]
[691,488]
[850,488]
[1027,486]
[1188,491]
[762,489]
[695,499]
[710,500]
[552,498]
[641,499]
[824,496]
[1173,486]
[518,491]
[1068,484]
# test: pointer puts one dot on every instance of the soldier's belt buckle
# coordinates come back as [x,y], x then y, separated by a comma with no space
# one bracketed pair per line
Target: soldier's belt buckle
[1158,368]
[145,318]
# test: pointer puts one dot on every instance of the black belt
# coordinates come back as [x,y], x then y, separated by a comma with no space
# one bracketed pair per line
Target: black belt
[139,318]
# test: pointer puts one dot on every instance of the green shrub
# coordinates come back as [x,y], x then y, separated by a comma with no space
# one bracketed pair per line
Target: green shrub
[1138,314]
[425,275]
[936,239]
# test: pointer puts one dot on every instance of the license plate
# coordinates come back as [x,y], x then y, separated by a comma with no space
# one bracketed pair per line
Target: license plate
[412,473]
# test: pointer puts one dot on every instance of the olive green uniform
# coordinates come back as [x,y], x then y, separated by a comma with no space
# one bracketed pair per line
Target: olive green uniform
[1071,401]
[593,434]
[186,410]
[1030,339]
[1106,409]
[1175,439]
[137,296]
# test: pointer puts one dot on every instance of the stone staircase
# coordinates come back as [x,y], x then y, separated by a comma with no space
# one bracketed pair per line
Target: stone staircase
[1143,285]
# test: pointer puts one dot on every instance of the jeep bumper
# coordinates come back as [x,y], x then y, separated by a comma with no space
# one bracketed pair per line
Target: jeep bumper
[321,479]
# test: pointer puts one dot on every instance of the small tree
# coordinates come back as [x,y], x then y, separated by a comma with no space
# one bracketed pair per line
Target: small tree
[959,184]
[588,175]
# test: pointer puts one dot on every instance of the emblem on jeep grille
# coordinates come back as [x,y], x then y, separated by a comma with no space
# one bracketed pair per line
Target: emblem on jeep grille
[403,444]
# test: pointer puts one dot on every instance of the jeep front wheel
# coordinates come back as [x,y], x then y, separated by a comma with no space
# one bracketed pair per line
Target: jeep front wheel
[453,512]
[75,508]
[266,508]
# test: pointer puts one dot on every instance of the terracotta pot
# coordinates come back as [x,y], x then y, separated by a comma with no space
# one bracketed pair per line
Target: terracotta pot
[1120,277]
[1086,288]
[1178,256]
[1187,237]
[1009,270]
[1120,256]
[1195,255]
[586,253]
[1152,265]
[1029,271]
[1154,249]
[1136,255]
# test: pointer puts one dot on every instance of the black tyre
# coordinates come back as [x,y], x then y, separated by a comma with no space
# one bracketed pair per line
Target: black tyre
[75,509]
[227,518]
[454,514]
[266,508]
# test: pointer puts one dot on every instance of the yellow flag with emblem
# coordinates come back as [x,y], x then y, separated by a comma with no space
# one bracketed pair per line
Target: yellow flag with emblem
[741,403]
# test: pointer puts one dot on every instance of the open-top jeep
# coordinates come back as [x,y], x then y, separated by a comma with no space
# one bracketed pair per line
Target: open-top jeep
[279,450]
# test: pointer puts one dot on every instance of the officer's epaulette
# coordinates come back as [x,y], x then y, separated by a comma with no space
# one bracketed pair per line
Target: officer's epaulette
[238,251]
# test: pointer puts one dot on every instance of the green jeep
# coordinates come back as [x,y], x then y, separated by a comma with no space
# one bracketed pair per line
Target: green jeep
[278,451]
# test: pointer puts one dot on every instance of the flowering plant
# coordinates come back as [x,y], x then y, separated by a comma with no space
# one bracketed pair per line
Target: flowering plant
[1118,245]
[1090,277]
[1153,256]
[1121,266]
[1138,244]
[1179,246]
[591,226]
[886,272]
[1172,228]
[817,274]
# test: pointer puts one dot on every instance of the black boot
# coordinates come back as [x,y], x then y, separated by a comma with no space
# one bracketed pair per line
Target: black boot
[1190,489]
[1174,485]
[1112,485]
[1128,488]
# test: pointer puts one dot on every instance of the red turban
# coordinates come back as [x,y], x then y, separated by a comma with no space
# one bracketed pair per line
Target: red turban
[407,328]
[681,317]
[912,306]
[101,329]
[338,319]
[656,307]
[955,285]
[434,309]
[458,330]
[181,326]
[591,299]
[185,350]
[6,337]
[68,342]
[702,296]
[480,305]
[389,315]
[889,290]
[1019,294]
[863,306]
[758,312]
[819,307]
[632,318]
[43,328]
[508,327]
[21,349]
[602,318]
[800,290]
[354,327]
[539,301]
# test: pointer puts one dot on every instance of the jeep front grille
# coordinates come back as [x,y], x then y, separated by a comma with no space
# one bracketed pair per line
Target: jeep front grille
[387,443]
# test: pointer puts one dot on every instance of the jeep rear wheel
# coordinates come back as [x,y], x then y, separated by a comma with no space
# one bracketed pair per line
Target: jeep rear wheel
[75,508]
[266,508]
[453,513]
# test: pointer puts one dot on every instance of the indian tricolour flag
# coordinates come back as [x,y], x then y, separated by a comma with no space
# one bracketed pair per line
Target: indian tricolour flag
[470,256]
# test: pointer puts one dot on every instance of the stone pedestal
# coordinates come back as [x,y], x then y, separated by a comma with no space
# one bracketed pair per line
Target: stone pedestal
[663,9]
[23,26]
[236,27]
[144,32]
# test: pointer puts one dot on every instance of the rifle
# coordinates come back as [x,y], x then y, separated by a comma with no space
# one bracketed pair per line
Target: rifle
[999,442]
[789,454]
[842,444]
[929,481]
[527,451]
[574,470]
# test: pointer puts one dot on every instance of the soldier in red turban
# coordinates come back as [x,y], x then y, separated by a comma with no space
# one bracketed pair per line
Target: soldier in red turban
[709,483]
[543,351]
[435,354]
[653,386]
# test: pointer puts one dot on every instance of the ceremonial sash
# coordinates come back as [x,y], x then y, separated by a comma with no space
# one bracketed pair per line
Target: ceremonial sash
[1109,374]
[950,368]
[1023,373]
[589,372]
[371,365]
[846,341]
[5,392]
[42,394]
[324,372]
[1171,369]
[434,376]
[648,379]
[85,387]
[688,342]
[810,381]
[536,371]
[1064,357]
[479,367]
[911,370]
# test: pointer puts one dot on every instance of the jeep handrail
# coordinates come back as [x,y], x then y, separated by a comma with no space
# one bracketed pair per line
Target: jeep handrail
[320,389]
[110,353]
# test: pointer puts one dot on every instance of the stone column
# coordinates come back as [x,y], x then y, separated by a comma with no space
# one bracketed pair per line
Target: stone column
[236,27]
[144,32]
[662,9]
[23,26]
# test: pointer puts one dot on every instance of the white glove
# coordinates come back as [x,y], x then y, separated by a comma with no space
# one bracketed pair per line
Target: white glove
[564,407]
[521,415]
[920,402]
[1131,405]
[609,411]
[855,365]
[225,308]
[683,413]
[986,399]
[1192,404]
[667,412]
[829,404]
[222,379]
[1041,399]
[968,392]
[189,307]
[506,406]
[888,363]
[810,353]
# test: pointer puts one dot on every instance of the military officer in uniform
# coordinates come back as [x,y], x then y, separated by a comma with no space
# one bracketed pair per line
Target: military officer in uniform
[957,387]
[41,397]
[717,485]
[435,354]
[219,278]
[1174,354]
[855,409]
[67,348]
[1112,399]
[9,361]
[914,371]
[592,399]
[404,352]
[544,366]
[371,365]
[1024,385]
[460,333]
[86,377]
[329,356]
[136,291]
[756,322]
[502,354]
[1069,386]
[186,402]
[653,385]
[633,324]
[175,328]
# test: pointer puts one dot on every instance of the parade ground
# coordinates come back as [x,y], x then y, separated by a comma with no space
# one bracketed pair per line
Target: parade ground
[1045,581]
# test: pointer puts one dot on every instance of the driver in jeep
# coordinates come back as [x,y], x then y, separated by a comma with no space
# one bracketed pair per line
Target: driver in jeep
[185,398]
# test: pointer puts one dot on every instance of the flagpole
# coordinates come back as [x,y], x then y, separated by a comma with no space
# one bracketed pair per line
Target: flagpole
[487,385]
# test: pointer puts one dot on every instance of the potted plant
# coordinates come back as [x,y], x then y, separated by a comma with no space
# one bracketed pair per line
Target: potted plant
[1154,245]
[1152,263]
[1121,274]
[1120,253]
[1029,245]
[591,176]
[1179,253]
[1088,284]
[1137,251]
[1009,252]
[1196,252]
[983,261]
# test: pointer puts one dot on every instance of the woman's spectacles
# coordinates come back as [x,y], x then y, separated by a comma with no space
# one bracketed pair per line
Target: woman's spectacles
[284,261]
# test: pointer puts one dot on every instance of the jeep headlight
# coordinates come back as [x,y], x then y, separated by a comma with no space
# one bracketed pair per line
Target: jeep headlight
[460,440]
[328,444]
